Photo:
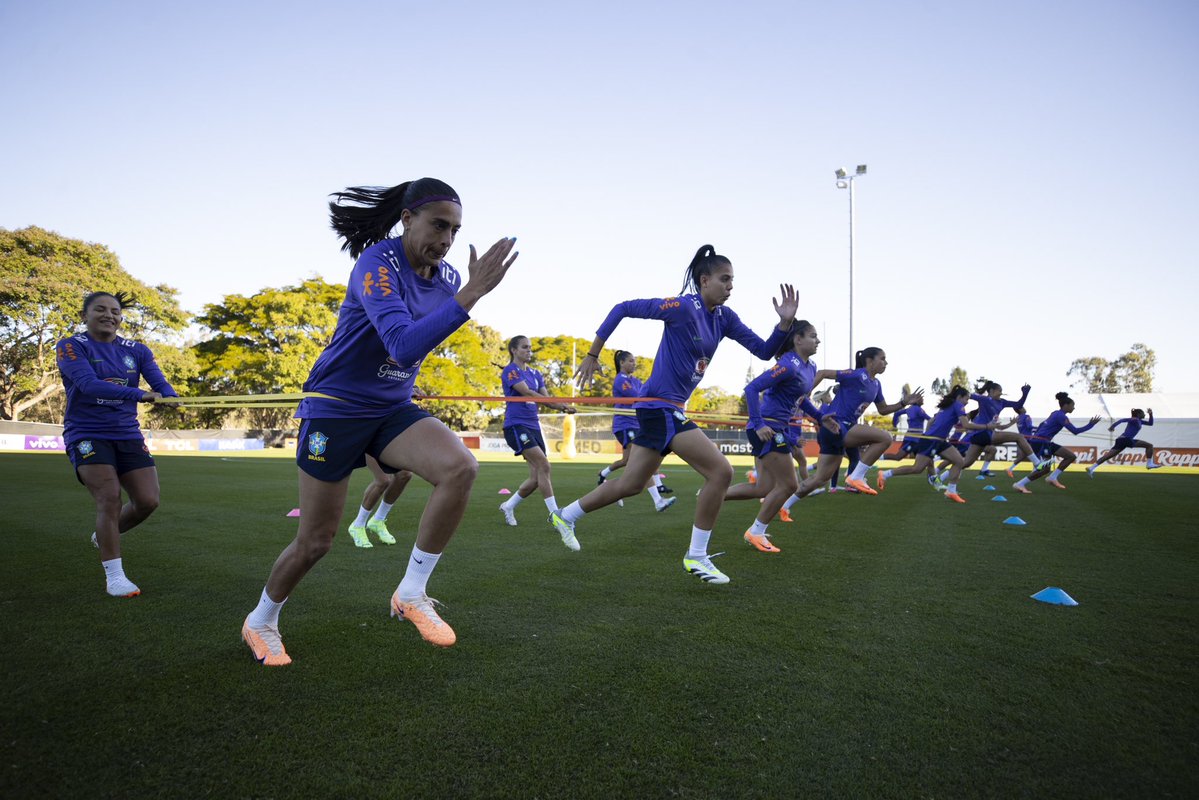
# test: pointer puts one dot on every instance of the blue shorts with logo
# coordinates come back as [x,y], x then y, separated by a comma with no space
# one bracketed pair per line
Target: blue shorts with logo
[1047,449]
[832,444]
[330,448]
[981,438]
[781,442]
[933,447]
[522,437]
[123,455]
[912,446]
[657,426]
[626,437]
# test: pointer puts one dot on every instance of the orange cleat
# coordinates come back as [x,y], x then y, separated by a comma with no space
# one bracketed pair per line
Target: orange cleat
[861,486]
[265,644]
[1010,473]
[785,515]
[1056,484]
[880,482]
[420,612]
[761,542]
[957,498]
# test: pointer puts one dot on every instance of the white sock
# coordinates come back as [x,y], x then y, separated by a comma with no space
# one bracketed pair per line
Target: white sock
[512,502]
[654,493]
[364,514]
[416,577]
[887,473]
[1022,482]
[859,472]
[790,501]
[381,511]
[657,481]
[551,504]
[266,615]
[1053,476]
[758,528]
[605,472]
[572,513]
[113,569]
[986,466]
[952,488]
[699,543]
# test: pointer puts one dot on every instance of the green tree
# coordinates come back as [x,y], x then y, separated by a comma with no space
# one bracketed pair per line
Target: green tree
[1130,372]
[43,279]
[264,344]
[467,363]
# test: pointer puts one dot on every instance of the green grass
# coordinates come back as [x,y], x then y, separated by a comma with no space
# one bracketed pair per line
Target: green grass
[891,649]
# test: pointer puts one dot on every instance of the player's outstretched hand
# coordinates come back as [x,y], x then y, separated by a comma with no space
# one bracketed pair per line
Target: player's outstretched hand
[585,374]
[789,303]
[486,271]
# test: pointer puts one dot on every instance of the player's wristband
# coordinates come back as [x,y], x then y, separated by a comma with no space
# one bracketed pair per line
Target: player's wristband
[593,355]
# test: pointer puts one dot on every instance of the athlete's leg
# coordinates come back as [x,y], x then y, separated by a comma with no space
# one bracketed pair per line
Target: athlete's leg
[695,448]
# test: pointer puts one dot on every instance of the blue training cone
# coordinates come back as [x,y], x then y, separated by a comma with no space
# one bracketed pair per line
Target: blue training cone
[988,488]
[998,499]
[1014,521]
[1054,595]
[981,478]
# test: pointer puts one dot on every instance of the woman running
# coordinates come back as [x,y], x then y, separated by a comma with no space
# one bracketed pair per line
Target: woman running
[385,489]
[100,373]
[1128,439]
[624,428]
[1047,450]
[990,405]
[402,300]
[773,400]
[951,412]
[1025,428]
[695,324]
[522,429]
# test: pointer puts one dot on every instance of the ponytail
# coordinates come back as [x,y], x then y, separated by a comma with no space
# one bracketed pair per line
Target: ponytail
[373,211]
[952,396]
[703,263]
[984,386]
[1063,398]
[620,355]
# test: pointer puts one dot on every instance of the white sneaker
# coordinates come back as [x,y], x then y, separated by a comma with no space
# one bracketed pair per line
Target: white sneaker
[821,490]
[123,587]
[1154,466]
[509,516]
[567,531]
[665,504]
[1090,472]
[704,569]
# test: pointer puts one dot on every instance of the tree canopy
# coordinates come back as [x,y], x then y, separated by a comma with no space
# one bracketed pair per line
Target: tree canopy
[1130,372]
[44,277]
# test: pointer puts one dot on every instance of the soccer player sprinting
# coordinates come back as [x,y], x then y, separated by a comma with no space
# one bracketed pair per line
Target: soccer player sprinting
[693,326]
[1047,449]
[402,300]
[990,404]
[912,442]
[1128,438]
[624,428]
[936,442]
[522,429]
[1024,427]
[773,399]
[100,373]
[385,489]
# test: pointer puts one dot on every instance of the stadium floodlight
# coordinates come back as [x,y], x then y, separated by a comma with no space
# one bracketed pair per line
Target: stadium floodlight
[845,181]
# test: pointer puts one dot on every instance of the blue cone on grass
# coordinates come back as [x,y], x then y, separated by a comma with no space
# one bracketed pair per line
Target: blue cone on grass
[1055,596]
[1014,521]
[998,499]
[988,488]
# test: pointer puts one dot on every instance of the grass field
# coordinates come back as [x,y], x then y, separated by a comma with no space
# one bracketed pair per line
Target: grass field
[890,650]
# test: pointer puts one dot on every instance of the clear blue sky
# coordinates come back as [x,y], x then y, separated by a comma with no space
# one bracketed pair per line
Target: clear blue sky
[1032,177]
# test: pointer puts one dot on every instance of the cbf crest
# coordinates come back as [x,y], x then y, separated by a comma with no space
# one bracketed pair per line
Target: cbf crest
[85,448]
[130,363]
[317,443]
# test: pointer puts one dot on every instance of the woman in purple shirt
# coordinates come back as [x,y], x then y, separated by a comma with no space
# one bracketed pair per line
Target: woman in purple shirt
[694,325]
[1047,450]
[1128,438]
[402,300]
[624,428]
[100,373]
[522,429]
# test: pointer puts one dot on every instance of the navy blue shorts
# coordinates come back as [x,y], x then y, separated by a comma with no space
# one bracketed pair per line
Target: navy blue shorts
[330,448]
[658,426]
[831,444]
[981,438]
[1047,449]
[932,448]
[912,446]
[123,455]
[1123,442]
[626,437]
[522,437]
[781,442]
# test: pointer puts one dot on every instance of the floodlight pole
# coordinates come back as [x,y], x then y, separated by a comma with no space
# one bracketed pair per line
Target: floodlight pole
[845,181]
